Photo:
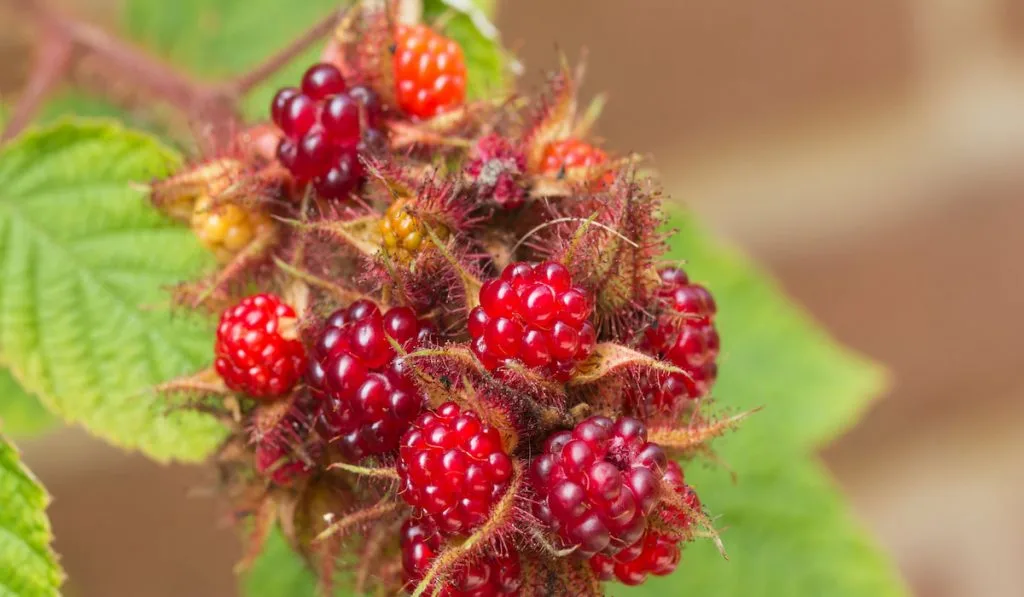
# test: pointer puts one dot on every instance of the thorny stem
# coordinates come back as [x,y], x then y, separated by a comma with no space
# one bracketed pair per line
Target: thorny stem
[207,102]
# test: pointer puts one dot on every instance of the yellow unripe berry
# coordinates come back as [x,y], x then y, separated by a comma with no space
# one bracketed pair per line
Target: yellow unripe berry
[227,228]
[403,234]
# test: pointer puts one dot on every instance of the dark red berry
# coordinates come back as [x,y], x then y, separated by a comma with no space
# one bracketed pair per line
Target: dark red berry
[597,484]
[367,397]
[325,125]
[453,468]
[685,335]
[322,80]
[533,315]
[343,176]
[490,575]
[257,352]
[430,72]
[369,104]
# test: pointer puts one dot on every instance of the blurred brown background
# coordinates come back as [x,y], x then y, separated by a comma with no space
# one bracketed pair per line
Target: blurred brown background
[869,153]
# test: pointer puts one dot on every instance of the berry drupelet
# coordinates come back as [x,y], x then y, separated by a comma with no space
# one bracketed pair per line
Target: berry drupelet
[257,351]
[430,72]
[534,315]
[325,124]
[366,396]
[453,467]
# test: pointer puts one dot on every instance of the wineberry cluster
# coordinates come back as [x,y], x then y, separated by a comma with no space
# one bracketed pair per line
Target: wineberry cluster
[472,368]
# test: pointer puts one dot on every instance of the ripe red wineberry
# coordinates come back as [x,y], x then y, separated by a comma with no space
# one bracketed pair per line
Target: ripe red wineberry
[257,352]
[534,315]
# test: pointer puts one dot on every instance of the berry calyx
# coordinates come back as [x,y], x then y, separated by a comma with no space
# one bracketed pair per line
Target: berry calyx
[430,72]
[490,575]
[324,123]
[453,468]
[684,335]
[226,228]
[597,484]
[576,160]
[654,553]
[533,315]
[403,235]
[367,398]
[257,351]
[497,169]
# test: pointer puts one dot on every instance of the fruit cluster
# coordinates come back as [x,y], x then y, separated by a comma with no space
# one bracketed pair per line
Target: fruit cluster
[467,357]
[326,125]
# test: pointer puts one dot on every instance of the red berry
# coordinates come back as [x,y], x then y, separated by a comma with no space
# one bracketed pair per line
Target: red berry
[654,553]
[686,337]
[490,575]
[430,72]
[256,351]
[324,125]
[453,468]
[569,154]
[597,484]
[535,316]
[575,159]
[367,397]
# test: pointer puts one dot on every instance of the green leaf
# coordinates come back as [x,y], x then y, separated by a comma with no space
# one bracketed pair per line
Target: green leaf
[278,572]
[773,355]
[788,532]
[84,319]
[28,567]
[221,38]
[21,414]
[485,57]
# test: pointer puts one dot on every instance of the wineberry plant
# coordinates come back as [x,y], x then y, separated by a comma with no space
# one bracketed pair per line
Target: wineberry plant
[433,336]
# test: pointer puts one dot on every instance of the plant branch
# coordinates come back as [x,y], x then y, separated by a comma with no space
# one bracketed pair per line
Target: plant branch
[203,101]
[131,62]
[52,61]
[247,81]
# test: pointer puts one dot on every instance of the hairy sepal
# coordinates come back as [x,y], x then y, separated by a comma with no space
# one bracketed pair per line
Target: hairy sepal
[611,241]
